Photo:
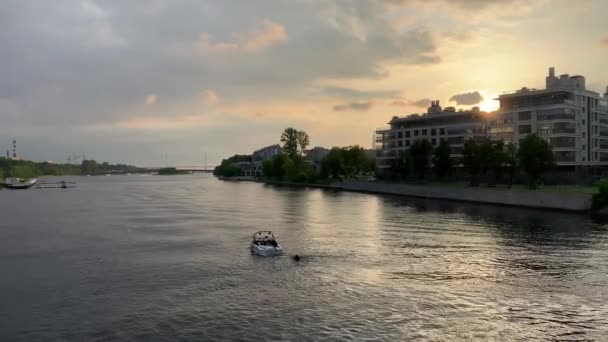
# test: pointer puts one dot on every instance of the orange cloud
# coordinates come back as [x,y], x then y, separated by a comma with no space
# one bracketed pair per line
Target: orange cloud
[151,99]
[262,36]
[209,97]
[603,42]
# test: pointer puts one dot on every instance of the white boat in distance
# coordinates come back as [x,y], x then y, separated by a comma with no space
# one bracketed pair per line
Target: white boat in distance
[264,243]
[17,183]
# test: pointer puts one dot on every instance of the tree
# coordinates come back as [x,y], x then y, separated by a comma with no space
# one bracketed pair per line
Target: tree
[485,149]
[22,171]
[400,166]
[511,162]
[442,163]
[303,141]
[496,161]
[420,151]
[347,161]
[289,138]
[471,160]
[332,165]
[535,157]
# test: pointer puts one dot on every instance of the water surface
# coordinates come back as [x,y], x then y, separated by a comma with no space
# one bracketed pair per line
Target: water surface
[165,258]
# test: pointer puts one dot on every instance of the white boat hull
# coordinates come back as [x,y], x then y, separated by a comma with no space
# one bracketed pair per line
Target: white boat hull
[16,183]
[262,250]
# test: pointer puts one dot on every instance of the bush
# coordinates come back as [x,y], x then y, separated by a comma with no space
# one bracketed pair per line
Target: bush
[600,199]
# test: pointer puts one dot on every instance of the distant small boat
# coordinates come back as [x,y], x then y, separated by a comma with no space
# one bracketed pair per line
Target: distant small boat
[18,183]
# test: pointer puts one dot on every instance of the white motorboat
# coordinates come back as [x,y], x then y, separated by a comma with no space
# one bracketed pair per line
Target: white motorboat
[17,183]
[264,243]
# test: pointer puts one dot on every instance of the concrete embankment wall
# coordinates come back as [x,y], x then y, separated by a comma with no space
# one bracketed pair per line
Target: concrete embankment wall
[520,198]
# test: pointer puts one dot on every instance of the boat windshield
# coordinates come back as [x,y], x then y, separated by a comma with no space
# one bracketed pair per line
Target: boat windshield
[263,236]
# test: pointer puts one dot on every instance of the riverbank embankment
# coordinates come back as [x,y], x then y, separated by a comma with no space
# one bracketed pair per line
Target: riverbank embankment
[550,200]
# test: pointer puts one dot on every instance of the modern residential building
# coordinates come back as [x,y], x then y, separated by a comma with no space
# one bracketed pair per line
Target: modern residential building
[266,153]
[572,118]
[438,123]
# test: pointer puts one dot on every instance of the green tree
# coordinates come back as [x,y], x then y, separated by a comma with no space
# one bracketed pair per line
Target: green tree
[401,165]
[511,162]
[485,150]
[535,157]
[332,165]
[346,162]
[496,161]
[471,160]
[227,168]
[442,163]
[22,171]
[289,138]
[303,141]
[420,152]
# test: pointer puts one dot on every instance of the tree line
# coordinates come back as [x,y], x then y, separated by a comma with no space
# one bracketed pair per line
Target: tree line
[30,169]
[481,159]
[293,166]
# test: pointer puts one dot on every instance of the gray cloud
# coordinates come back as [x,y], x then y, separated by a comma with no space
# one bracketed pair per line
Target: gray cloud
[470,98]
[91,62]
[423,103]
[358,94]
[354,106]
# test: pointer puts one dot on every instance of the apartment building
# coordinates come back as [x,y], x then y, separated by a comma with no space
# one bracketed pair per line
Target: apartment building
[573,119]
[438,123]
[266,153]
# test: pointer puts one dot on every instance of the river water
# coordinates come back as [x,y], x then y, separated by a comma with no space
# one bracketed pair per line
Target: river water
[166,258]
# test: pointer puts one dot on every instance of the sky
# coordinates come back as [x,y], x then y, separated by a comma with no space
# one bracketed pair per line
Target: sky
[139,82]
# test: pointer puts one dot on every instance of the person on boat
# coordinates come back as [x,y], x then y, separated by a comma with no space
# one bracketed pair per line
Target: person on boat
[296,258]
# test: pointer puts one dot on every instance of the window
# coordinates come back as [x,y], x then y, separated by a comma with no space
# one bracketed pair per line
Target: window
[564,156]
[563,142]
[442,131]
[583,121]
[555,114]
[583,147]
[399,134]
[407,134]
[424,131]
[407,143]
[400,143]
[455,140]
[415,133]
[434,141]
[525,129]
[525,115]
[433,131]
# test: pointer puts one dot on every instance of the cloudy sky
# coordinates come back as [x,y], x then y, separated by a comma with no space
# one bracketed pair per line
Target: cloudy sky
[128,81]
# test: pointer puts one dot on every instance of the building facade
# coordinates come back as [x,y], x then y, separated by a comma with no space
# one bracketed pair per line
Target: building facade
[574,120]
[437,124]
[266,153]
